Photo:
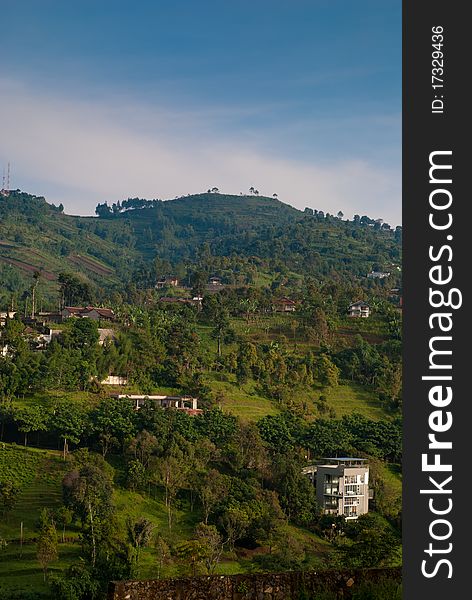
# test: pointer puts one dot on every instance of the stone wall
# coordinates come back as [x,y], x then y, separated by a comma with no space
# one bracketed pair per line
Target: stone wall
[280,586]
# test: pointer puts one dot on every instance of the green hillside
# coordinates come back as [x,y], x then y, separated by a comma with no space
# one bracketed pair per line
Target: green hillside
[282,375]
[252,233]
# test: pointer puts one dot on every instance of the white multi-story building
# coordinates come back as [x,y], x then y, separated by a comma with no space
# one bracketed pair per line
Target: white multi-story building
[342,486]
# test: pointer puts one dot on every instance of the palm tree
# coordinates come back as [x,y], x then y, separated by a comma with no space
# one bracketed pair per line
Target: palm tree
[251,190]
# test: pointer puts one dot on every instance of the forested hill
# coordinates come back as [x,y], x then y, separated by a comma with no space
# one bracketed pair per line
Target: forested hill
[127,237]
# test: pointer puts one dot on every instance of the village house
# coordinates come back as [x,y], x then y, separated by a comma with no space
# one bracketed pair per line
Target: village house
[89,312]
[50,316]
[4,315]
[114,380]
[215,281]
[196,301]
[378,274]
[164,282]
[285,305]
[183,403]
[359,309]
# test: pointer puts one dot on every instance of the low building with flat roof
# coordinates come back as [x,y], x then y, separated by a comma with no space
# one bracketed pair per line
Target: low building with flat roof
[184,403]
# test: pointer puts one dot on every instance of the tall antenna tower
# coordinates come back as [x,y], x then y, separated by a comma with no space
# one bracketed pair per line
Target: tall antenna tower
[6,181]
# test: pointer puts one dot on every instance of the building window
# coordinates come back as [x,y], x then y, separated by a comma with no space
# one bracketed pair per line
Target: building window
[351,501]
[331,484]
[350,511]
[352,489]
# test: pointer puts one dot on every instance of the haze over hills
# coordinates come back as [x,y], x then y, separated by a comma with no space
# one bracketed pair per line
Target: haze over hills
[107,250]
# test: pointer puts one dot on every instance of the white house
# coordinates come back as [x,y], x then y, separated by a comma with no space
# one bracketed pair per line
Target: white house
[359,309]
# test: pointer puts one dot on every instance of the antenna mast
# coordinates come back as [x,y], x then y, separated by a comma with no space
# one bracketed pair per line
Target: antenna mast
[6,182]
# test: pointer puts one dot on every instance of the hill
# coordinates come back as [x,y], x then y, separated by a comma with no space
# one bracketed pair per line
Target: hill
[125,240]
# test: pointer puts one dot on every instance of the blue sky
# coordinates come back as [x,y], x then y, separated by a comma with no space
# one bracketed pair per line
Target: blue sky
[101,100]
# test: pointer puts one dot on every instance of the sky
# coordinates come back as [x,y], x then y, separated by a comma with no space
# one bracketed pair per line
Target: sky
[101,100]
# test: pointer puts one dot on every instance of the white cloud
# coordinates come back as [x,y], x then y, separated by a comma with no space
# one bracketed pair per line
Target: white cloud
[81,153]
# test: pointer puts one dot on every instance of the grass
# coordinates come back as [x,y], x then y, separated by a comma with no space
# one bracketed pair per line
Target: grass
[49,398]
[39,474]
[21,575]
[241,401]
[349,398]
[393,476]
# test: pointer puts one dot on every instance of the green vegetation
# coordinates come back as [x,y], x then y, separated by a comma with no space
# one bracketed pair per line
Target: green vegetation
[95,490]
[250,240]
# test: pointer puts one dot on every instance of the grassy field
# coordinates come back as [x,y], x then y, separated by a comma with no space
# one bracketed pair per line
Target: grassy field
[39,472]
[241,400]
[349,398]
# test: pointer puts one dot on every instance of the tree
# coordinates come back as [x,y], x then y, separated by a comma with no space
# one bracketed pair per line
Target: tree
[269,519]
[8,495]
[113,422]
[103,210]
[211,544]
[374,543]
[326,372]
[82,334]
[171,472]
[212,490]
[143,446]
[78,582]
[36,278]
[31,418]
[222,329]
[64,516]
[139,534]
[88,492]
[46,550]
[235,522]
[68,420]
[296,493]
[163,554]
[73,291]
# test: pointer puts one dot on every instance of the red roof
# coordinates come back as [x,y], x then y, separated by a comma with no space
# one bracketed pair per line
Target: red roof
[79,310]
[286,301]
